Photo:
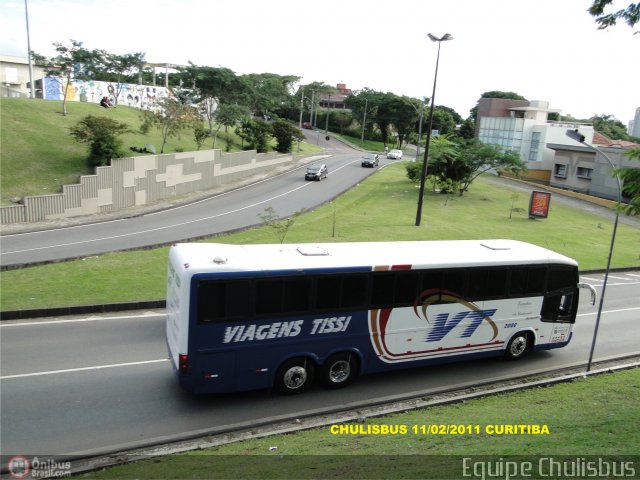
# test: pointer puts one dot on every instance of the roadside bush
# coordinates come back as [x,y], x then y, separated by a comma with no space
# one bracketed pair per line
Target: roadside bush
[101,134]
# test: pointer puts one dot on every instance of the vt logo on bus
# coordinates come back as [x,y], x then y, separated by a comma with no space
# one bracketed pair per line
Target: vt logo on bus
[440,323]
[443,324]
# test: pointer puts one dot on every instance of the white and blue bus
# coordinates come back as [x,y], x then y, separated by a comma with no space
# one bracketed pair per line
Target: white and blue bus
[244,317]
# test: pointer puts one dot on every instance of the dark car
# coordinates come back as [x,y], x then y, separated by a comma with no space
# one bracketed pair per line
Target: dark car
[316,171]
[370,160]
[307,125]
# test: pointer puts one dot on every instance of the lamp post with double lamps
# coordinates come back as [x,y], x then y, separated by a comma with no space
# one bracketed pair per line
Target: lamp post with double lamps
[423,175]
[578,137]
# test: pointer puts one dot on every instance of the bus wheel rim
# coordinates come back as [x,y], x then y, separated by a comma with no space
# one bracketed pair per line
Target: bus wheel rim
[339,371]
[518,346]
[295,377]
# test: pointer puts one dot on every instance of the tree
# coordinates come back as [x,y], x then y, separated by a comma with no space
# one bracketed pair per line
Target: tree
[495,94]
[384,112]
[63,64]
[444,121]
[215,87]
[229,115]
[468,129]
[280,226]
[119,68]
[311,92]
[366,100]
[285,134]
[631,187]
[403,113]
[101,133]
[172,118]
[477,158]
[610,127]
[256,133]
[455,164]
[268,92]
[200,135]
[442,150]
[631,14]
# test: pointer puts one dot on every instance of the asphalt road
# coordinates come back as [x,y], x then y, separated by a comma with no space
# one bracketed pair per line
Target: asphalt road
[98,384]
[287,193]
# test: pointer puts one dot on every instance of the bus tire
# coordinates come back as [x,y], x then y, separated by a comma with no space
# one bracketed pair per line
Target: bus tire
[294,376]
[518,346]
[339,370]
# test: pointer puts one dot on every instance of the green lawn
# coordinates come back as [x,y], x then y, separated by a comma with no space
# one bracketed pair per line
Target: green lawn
[381,208]
[39,155]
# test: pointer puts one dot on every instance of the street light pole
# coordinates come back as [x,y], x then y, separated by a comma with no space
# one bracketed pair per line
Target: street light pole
[301,108]
[423,175]
[364,119]
[326,123]
[313,100]
[421,115]
[32,89]
[577,136]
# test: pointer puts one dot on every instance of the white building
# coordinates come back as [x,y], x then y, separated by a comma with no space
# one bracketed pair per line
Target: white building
[14,76]
[634,125]
[552,157]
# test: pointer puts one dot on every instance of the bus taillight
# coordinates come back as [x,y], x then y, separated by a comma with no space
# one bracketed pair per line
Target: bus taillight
[183,363]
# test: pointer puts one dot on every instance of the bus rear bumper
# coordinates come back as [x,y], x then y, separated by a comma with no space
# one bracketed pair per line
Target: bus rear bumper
[551,346]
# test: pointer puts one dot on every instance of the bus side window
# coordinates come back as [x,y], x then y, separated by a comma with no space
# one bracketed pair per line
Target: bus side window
[432,282]
[562,287]
[268,297]
[341,292]
[477,284]
[406,288]
[382,287]
[239,301]
[211,301]
[297,295]
[527,281]
[354,291]
[222,301]
[455,282]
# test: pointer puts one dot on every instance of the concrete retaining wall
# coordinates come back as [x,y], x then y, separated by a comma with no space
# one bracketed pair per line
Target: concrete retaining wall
[136,181]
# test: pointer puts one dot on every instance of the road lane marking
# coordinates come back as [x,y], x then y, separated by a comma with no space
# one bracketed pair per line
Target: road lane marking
[610,311]
[166,227]
[77,320]
[141,232]
[82,369]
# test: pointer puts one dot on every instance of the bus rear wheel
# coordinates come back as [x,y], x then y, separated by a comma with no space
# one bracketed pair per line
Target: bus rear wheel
[294,376]
[518,346]
[339,370]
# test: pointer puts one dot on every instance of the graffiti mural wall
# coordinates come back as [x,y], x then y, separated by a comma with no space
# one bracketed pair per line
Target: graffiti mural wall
[130,95]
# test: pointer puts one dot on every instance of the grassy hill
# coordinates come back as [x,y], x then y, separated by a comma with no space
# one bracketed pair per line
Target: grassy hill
[39,155]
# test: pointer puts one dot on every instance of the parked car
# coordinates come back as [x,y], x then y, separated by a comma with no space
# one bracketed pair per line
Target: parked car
[307,125]
[370,160]
[394,154]
[317,171]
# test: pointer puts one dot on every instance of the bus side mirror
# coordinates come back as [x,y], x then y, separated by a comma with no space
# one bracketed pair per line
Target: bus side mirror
[591,289]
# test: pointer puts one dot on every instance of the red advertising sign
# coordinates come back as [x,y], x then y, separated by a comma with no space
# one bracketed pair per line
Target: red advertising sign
[539,204]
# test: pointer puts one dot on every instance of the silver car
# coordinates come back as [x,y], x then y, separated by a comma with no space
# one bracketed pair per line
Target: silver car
[394,154]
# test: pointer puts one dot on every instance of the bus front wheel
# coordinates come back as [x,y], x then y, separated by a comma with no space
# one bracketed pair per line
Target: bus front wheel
[294,376]
[339,370]
[518,346]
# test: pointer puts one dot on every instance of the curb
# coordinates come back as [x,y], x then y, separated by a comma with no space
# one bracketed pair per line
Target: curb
[80,310]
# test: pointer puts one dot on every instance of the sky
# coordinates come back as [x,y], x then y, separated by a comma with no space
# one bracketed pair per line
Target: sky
[547,50]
